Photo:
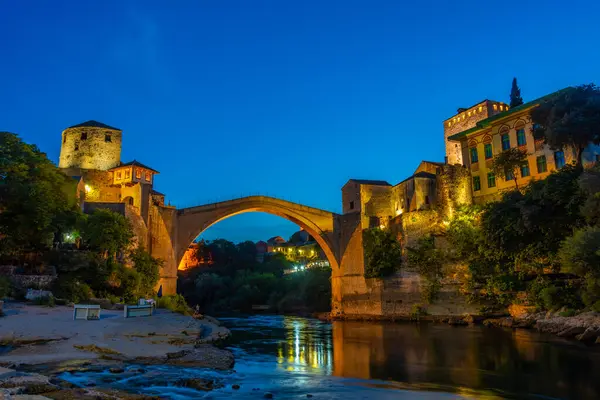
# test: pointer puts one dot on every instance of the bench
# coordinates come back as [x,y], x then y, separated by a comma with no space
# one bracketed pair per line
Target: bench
[138,311]
[86,311]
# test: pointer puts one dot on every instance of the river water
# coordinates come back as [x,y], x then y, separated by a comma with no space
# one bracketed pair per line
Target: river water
[292,357]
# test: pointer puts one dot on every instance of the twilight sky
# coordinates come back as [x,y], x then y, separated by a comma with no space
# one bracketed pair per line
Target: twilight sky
[285,98]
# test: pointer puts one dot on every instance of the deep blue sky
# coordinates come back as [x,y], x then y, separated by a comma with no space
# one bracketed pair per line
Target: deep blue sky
[286,98]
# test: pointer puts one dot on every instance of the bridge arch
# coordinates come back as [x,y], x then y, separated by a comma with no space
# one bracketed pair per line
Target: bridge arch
[192,221]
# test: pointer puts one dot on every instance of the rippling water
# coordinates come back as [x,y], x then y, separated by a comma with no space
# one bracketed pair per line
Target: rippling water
[292,357]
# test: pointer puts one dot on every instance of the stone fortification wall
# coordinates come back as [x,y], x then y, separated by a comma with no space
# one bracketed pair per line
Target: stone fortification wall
[90,148]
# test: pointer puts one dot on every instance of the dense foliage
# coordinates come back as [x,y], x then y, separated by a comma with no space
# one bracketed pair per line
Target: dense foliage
[569,118]
[38,202]
[382,252]
[107,232]
[428,260]
[543,240]
[237,281]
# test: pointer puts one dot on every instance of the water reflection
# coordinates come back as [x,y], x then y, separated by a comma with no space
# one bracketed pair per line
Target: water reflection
[469,361]
[305,347]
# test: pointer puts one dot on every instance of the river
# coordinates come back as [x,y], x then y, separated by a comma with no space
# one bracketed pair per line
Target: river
[292,357]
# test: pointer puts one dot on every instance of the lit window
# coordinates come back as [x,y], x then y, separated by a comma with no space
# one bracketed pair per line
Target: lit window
[495,107]
[491,179]
[487,149]
[138,173]
[83,135]
[480,108]
[469,113]
[474,158]
[525,169]
[107,138]
[119,175]
[148,176]
[559,159]
[505,141]
[127,173]
[501,107]
[521,140]
[476,183]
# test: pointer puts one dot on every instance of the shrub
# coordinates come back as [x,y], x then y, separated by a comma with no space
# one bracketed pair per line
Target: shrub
[417,311]
[175,303]
[5,287]
[428,261]
[72,290]
[45,301]
[567,313]
[580,253]
[382,252]
[148,269]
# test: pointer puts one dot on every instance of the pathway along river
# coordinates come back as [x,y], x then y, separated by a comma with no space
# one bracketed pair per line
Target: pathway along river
[293,357]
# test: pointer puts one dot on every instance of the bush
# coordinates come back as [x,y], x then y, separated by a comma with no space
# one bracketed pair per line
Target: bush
[175,303]
[382,252]
[580,253]
[417,311]
[428,261]
[148,269]
[72,290]
[5,287]
[45,301]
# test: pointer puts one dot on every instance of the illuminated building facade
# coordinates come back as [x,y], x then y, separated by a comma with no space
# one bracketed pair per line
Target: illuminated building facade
[505,129]
[91,154]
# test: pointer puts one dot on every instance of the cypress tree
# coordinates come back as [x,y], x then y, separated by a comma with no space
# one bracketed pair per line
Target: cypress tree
[515,95]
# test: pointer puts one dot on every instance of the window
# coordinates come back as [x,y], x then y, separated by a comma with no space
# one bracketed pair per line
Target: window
[76,146]
[476,183]
[138,173]
[64,138]
[559,159]
[487,149]
[508,175]
[541,164]
[491,179]
[107,138]
[373,222]
[83,135]
[127,173]
[352,205]
[473,151]
[505,141]
[119,175]
[521,141]
[525,169]
[426,199]
[147,176]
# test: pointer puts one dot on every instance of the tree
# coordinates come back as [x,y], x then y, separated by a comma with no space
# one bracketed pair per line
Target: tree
[580,253]
[509,163]
[148,268]
[36,199]
[515,94]
[107,232]
[569,118]
[428,261]
[383,254]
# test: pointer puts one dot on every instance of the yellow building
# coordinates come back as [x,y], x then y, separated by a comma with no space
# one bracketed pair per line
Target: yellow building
[508,129]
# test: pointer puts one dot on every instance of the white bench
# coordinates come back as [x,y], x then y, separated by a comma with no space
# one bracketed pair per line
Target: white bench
[138,311]
[86,311]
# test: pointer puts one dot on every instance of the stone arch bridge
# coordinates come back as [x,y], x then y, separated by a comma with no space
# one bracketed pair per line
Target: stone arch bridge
[338,235]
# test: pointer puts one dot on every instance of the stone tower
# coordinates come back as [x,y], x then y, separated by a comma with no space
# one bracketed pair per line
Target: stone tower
[90,145]
[465,119]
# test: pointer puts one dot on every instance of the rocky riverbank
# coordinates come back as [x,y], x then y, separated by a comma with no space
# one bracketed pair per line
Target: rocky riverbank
[584,327]
[38,344]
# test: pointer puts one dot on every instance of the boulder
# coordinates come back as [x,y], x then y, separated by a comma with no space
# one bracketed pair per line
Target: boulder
[505,322]
[455,321]
[205,356]
[571,331]
[198,384]
[589,335]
